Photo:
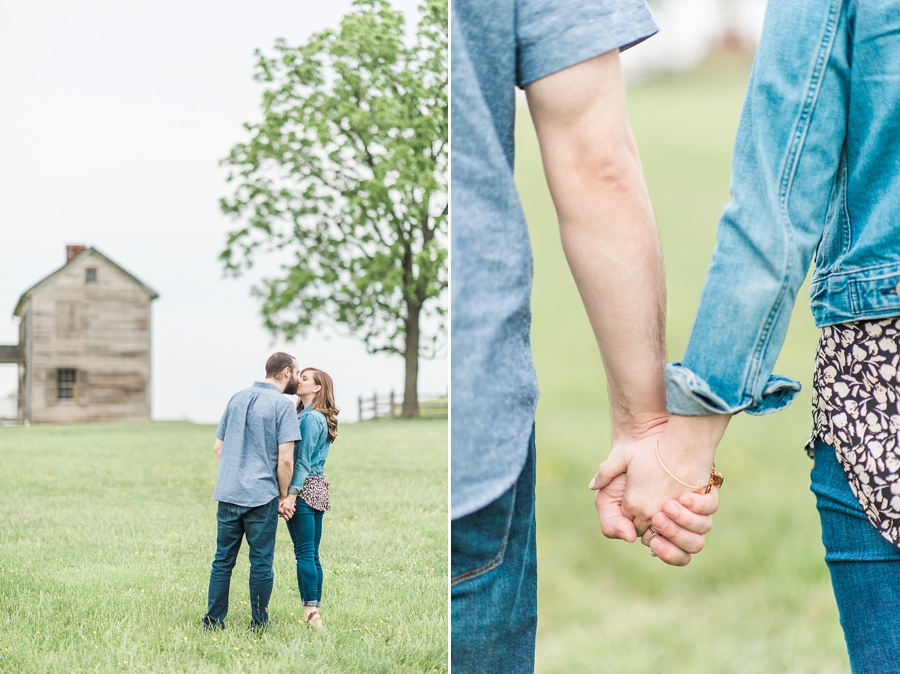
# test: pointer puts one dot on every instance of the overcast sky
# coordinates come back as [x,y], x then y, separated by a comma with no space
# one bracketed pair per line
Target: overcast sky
[113,118]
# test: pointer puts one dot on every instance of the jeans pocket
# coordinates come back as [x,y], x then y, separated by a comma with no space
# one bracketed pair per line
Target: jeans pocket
[478,541]
[226,512]
[260,513]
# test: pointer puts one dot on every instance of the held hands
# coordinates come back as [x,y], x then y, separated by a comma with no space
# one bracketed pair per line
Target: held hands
[287,506]
[634,492]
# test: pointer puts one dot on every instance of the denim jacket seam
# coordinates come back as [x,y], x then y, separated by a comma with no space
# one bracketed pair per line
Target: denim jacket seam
[846,229]
[801,127]
[855,300]
[861,270]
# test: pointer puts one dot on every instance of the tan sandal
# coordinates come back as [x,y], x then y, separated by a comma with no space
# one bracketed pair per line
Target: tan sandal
[315,620]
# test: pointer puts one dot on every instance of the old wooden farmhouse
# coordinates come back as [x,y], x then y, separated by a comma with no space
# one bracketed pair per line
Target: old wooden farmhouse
[84,344]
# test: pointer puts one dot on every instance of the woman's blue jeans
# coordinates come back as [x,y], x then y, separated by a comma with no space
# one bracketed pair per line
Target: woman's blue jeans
[259,524]
[865,570]
[494,583]
[305,528]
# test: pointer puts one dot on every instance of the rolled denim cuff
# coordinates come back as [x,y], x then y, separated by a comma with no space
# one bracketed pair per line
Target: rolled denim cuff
[689,395]
[294,489]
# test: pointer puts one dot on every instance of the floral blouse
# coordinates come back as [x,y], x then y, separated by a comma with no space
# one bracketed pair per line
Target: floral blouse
[856,410]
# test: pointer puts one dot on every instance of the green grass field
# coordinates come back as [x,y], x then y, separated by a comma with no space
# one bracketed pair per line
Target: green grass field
[107,534]
[758,599]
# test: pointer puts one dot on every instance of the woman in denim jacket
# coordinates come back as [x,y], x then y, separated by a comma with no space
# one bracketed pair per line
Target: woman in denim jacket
[815,173]
[317,415]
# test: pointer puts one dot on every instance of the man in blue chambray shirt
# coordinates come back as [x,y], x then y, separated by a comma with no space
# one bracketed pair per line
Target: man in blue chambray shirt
[564,53]
[255,451]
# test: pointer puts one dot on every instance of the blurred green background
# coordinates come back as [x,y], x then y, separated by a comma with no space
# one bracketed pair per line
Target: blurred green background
[758,598]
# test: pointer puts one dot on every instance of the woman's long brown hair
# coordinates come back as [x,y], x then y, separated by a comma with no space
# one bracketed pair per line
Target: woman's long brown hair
[323,400]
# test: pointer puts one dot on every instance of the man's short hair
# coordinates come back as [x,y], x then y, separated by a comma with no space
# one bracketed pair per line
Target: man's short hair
[277,362]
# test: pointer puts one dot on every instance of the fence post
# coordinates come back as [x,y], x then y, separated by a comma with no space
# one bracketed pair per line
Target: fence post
[360,408]
[392,404]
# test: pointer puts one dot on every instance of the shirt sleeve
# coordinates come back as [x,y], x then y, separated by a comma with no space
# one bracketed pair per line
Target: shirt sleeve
[554,34]
[288,428]
[223,424]
[312,433]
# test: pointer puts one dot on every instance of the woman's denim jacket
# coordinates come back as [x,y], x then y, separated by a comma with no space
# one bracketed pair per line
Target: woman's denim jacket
[815,173]
[312,449]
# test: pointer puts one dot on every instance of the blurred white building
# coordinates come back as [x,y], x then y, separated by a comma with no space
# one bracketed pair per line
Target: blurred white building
[689,30]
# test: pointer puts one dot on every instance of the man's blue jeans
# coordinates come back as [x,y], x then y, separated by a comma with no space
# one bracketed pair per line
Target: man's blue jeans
[260,525]
[494,582]
[865,570]
[305,528]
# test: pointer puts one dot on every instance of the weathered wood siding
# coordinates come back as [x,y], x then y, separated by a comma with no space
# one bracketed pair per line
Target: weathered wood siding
[100,329]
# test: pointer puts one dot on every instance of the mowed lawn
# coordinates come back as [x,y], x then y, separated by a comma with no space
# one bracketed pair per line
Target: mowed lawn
[758,599]
[107,533]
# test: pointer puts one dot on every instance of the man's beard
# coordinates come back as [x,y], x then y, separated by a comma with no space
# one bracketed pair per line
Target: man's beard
[292,385]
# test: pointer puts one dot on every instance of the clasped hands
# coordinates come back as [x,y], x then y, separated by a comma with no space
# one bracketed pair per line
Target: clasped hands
[287,506]
[636,497]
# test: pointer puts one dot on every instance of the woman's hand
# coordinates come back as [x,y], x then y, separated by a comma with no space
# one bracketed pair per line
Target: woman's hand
[649,486]
[678,531]
[635,491]
[679,518]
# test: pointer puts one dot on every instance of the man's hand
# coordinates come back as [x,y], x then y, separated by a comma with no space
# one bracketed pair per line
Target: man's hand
[613,522]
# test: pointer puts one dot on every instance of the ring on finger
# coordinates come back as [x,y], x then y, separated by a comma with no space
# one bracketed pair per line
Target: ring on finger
[648,536]
[650,540]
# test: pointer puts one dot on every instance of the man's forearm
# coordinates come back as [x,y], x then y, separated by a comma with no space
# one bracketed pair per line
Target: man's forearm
[609,236]
[285,470]
[608,231]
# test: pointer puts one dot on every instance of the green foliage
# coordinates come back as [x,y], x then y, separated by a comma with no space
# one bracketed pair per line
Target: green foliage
[346,176]
[758,597]
[107,534]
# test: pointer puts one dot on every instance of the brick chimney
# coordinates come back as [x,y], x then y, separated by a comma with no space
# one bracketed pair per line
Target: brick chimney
[73,250]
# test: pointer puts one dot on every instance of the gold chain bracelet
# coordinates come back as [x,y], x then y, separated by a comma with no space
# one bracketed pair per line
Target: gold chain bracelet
[715,478]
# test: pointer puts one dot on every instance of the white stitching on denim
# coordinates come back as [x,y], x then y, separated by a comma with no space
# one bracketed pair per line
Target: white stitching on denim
[481,570]
[846,229]
[498,558]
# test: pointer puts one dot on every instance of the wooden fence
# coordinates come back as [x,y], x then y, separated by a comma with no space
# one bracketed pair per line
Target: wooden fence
[391,407]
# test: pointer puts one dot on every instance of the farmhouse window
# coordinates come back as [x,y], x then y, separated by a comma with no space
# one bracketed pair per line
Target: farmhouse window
[66,385]
[90,275]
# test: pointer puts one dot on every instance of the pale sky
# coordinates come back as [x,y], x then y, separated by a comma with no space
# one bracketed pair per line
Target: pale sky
[113,118]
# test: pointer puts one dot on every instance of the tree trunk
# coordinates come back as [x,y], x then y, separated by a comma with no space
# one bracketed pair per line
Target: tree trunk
[411,390]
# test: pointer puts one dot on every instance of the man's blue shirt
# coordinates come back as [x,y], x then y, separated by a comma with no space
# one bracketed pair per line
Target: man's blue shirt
[256,421]
[497,46]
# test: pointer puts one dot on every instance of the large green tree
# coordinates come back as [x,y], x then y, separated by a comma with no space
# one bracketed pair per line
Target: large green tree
[345,177]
